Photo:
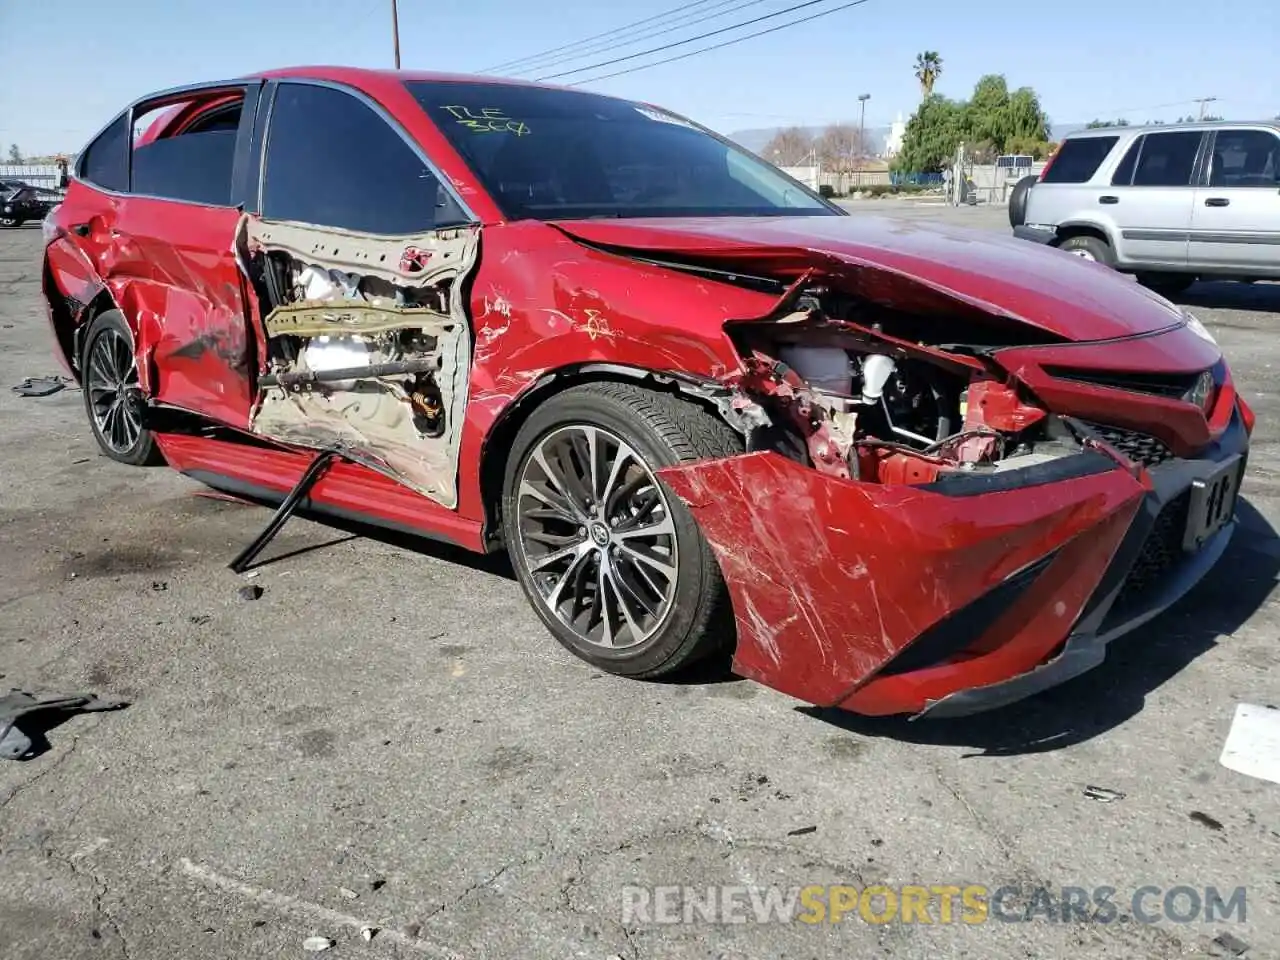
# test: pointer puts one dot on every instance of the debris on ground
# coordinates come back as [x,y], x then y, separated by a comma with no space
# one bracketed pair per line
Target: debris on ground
[1103,794]
[801,831]
[17,705]
[377,883]
[251,574]
[317,944]
[249,591]
[1232,944]
[1203,818]
[368,932]
[41,386]
[348,893]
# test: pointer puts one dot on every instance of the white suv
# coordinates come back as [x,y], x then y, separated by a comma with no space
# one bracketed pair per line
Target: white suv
[1169,203]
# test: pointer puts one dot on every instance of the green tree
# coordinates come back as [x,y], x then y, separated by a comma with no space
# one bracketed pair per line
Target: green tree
[1099,124]
[15,155]
[932,135]
[928,70]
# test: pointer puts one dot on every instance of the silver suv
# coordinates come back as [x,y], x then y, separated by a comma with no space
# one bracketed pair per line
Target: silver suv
[1168,203]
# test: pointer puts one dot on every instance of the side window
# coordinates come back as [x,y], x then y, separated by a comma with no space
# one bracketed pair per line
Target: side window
[333,161]
[106,160]
[195,163]
[1124,173]
[1245,158]
[1078,160]
[1167,159]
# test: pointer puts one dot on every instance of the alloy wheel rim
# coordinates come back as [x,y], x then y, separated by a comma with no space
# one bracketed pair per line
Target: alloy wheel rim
[597,536]
[112,382]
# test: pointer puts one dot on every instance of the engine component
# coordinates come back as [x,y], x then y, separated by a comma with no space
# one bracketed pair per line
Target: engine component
[325,354]
[824,368]
[876,371]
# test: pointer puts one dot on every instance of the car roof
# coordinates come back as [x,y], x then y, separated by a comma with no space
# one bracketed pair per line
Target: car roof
[1195,126]
[355,75]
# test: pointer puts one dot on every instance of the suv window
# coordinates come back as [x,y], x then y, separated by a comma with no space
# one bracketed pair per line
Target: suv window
[1245,158]
[1167,159]
[1124,172]
[333,161]
[194,165]
[105,162]
[1078,160]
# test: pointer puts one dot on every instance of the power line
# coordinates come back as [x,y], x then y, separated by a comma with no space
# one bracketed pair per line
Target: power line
[608,33]
[681,43]
[649,34]
[717,46]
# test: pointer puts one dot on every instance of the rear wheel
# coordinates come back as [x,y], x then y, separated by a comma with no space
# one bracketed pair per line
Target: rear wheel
[11,222]
[112,399]
[1089,248]
[612,562]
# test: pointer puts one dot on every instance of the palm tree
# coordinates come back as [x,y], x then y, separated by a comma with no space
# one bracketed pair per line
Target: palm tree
[928,69]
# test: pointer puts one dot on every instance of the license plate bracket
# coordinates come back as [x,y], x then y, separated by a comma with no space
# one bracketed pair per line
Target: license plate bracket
[1213,503]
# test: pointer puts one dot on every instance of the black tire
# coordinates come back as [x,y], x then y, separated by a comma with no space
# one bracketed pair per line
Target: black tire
[11,222]
[1089,248]
[1018,200]
[137,448]
[662,430]
[1167,284]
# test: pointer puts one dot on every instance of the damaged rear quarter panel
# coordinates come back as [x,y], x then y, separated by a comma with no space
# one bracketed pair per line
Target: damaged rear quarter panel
[830,579]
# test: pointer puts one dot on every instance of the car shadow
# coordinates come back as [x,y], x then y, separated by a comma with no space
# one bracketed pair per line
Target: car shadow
[1116,690]
[496,563]
[1231,295]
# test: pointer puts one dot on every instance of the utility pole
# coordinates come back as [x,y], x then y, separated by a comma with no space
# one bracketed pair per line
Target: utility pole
[1202,101]
[862,132]
[395,32]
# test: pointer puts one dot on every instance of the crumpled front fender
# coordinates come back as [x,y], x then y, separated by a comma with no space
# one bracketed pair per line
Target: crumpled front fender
[831,579]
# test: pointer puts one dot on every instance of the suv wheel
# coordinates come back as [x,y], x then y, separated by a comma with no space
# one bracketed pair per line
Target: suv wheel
[1089,248]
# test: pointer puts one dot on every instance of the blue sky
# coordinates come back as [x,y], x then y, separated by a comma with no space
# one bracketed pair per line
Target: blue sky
[1145,59]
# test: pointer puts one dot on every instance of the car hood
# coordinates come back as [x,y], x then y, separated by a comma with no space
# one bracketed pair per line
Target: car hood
[911,265]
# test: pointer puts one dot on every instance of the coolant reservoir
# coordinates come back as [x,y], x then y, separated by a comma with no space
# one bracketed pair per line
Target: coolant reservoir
[825,368]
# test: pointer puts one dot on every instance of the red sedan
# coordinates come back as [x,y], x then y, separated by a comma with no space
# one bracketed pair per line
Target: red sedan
[896,468]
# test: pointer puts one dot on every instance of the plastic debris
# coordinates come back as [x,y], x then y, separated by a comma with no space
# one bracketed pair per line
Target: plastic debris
[801,831]
[1103,794]
[1231,944]
[250,591]
[40,386]
[368,932]
[317,944]
[348,893]
[1213,823]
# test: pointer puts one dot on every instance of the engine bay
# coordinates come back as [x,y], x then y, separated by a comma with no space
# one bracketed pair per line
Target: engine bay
[851,395]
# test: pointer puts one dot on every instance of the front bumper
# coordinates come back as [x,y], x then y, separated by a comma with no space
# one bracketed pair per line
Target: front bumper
[1035,234]
[946,600]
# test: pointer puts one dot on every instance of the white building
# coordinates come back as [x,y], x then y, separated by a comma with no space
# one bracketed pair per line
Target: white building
[896,132]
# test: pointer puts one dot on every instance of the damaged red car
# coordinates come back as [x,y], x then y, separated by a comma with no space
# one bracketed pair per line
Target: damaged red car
[895,468]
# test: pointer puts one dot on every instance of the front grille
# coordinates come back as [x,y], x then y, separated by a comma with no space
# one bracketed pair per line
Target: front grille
[1171,385]
[1161,551]
[1138,447]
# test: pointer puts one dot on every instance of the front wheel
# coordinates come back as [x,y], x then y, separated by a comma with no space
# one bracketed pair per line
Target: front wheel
[613,563]
[11,222]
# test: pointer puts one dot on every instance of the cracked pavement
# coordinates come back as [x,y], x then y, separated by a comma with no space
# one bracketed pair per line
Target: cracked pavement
[390,720]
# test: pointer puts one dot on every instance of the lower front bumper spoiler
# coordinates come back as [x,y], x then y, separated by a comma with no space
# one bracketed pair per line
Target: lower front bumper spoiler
[1083,650]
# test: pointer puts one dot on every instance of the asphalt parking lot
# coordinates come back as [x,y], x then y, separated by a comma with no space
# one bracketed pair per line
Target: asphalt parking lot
[388,738]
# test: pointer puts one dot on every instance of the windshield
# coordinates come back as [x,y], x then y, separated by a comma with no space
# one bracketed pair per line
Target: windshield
[563,154]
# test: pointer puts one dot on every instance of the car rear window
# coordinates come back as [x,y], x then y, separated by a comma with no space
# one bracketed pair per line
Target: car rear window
[1167,159]
[1077,160]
